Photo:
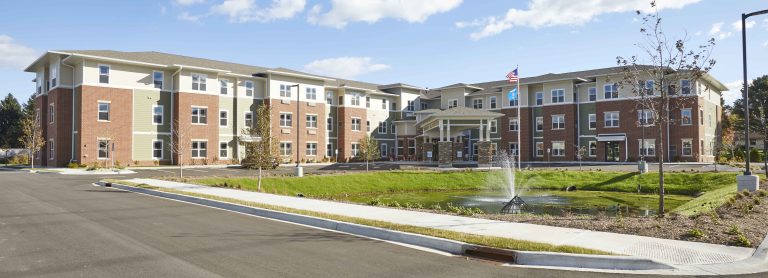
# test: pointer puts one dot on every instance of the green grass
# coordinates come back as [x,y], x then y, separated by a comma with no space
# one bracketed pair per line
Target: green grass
[491,241]
[707,201]
[674,183]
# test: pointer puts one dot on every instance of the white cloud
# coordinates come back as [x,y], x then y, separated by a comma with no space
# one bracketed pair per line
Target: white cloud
[188,2]
[15,56]
[188,17]
[163,10]
[737,25]
[343,12]
[765,44]
[734,91]
[246,10]
[718,32]
[345,67]
[547,13]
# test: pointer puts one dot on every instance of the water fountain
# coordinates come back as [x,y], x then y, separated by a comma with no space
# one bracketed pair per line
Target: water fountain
[516,204]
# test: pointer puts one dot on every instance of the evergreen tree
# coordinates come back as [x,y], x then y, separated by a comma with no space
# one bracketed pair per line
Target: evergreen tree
[10,122]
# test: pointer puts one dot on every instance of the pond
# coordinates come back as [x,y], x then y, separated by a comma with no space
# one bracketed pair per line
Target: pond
[537,201]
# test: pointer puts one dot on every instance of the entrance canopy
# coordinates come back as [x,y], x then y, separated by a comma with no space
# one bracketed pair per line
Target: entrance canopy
[611,137]
[444,124]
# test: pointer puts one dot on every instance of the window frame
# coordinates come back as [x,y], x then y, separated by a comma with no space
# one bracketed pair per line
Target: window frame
[683,87]
[285,90]
[310,151]
[453,103]
[52,113]
[314,118]
[592,120]
[642,152]
[592,152]
[199,149]
[103,78]
[286,119]
[493,125]
[539,98]
[202,81]
[99,149]
[384,150]
[225,149]
[555,151]
[492,104]
[477,103]
[516,125]
[51,149]
[645,117]
[162,152]
[329,124]
[155,81]
[162,114]
[559,98]
[382,126]
[539,149]
[245,119]
[537,121]
[606,120]
[613,92]
[202,118]
[225,118]
[690,147]
[560,124]
[223,86]
[682,116]
[286,148]
[592,94]
[108,112]
[359,124]
[249,92]
[310,91]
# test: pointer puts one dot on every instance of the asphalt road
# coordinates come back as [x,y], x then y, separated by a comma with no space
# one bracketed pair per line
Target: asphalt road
[61,226]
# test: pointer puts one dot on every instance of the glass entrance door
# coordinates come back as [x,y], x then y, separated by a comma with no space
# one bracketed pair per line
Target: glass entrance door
[611,151]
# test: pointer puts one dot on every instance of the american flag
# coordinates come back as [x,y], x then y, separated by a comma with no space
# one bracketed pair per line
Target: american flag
[512,76]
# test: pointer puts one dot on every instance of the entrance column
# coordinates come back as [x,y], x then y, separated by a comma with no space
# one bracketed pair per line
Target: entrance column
[444,148]
[484,149]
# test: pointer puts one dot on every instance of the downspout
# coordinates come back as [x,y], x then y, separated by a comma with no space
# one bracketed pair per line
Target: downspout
[173,88]
[578,119]
[72,140]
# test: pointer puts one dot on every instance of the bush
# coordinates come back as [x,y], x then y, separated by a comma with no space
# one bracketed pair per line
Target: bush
[742,240]
[695,233]
[755,155]
[19,159]
[734,230]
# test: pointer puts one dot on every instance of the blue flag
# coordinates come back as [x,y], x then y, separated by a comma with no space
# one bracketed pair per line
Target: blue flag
[512,95]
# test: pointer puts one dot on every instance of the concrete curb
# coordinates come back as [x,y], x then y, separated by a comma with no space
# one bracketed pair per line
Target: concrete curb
[450,246]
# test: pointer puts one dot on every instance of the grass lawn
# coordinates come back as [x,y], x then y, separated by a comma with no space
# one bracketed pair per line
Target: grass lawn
[707,201]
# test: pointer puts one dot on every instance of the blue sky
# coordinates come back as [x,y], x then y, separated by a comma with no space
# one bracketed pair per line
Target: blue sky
[428,43]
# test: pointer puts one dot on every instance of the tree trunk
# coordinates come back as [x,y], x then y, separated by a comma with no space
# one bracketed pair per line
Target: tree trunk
[259,186]
[366,165]
[765,150]
[661,170]
[32,159]
[181,169]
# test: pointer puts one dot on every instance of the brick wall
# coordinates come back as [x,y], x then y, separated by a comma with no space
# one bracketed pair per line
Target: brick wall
[346,135]
[117,129]
[299,124]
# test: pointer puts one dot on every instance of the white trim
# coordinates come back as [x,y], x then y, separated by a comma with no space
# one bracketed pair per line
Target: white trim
[192,107]
[227,148]
[280,121]
[109,111]
[106,59]
[317,118]
[302,75]
[202,68]
[162,84]
[162,149]
[150,133]
[109,73]
[162,114]
[227,112]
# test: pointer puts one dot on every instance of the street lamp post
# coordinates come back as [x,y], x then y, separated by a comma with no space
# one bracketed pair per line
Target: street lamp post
[299,169]
[747,181]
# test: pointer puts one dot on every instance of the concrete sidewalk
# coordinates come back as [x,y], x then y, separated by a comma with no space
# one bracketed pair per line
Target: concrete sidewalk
[673,252]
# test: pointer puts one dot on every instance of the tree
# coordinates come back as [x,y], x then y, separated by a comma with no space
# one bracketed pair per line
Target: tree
[369,149]
[758,112]
[179,144]
[10,123]
[665,62]
[581,152]
[261,148]
[32,134]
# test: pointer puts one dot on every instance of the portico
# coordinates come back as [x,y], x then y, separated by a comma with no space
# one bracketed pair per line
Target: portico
[450,127]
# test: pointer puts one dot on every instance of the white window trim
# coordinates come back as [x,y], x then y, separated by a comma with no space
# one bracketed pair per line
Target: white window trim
[280,149]
[226,83]
[52,111]
[227,111]
[605,116]
[452,101]
[682,147]
[109,73]
[351,125]
[191,149]
[640,147]
[386,128]
[97,149]
[493,104]
[536,124]
[386,149]
[280,121]
[553,148]
[482,104]
[588,122]
[535,152]
[595,88]
[514,120]
[690,117]
[553,122]
[109,111]
[329,127]
[227,149]
[493,126]
[552,95]
[198,116]
[253,88]
[245,118]
[200,77]
[317,119]
[307,149]
[52,149]
[162,114]
[162,81]
[588,149]
[162,147]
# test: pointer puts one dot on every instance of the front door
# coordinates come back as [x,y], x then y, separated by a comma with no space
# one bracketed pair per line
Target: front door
[611,151]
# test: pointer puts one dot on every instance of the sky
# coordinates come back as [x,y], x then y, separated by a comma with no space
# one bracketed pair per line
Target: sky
[428,43]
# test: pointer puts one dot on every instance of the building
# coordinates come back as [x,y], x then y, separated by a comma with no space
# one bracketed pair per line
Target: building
[125,106]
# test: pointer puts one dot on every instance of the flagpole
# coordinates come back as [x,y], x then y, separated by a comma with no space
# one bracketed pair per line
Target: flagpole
[519,120]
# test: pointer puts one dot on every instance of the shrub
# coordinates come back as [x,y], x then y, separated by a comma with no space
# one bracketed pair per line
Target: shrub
[734,230]
[73,165]
[757,201]
[742,240]
[695,233]
[761,193]
[375,202]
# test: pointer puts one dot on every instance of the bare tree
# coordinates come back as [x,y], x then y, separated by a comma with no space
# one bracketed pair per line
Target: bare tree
[179,144]
[665,62]
[581,152]
[261,148]
[32,136]
[369,149]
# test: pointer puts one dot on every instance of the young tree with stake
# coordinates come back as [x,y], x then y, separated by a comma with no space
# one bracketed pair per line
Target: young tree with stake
[369,150]
[261,148]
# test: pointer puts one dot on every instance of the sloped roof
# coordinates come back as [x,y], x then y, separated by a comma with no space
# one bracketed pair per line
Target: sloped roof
[465,111]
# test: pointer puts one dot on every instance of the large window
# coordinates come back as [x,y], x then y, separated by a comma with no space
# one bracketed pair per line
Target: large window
[382,127]
[558,121]
[611,91]
[701,116]
[224,86]
[687,147]
[558,96]
[223,118]
[539,149]
[157,115]
[51,113]
[645,117]
[383,150]
[592,148]
[477,103]
[285,90]
[199,149]
[384,104]
[355,149]
[157,79]
[311,149]
[285,148]
[539,123]
[157,149]
[311,94]
[558,148]
[199,82]
[286,119]
[199,115]
[356,124]
[367,102]
[592,121]
[611,119]
[103,75]
[103,111]
[592,93]
[311,121]
[248,119]
[223,150]
[492,102]
[367,125]
[647,147]
[103,148]
[539,98]
[248,88]
[329,150]
[514,124]
[54,74]
[685,116]
[685,86]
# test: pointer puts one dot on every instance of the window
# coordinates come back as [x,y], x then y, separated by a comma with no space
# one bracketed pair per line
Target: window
[611,91]
[592,148]
[311,149]
[558,96]
[223,150]
[393,128]
[367,102]
[329,150]
[393,105]
[103,75]
[311,121]
[157,149]
[687,147]
[423,105]
[477,103]
[199,149]
[199,81]
[248,119]
[492,102]
[248,88]
[355,124]
[382,127]
[671,89]
[224,84]
[494,126]
[539,123]
[384,104]
[383,149]
[103,111]
[513,149]
[558,121]
[513,101]
[157,78]
[51,113]
[592,93]
[592,121]
[199,115]
[685,116]
[558,148]
[285,148]
[285,90]
[453,103]
[329,124]
[648,87]
[367,125]
[329,98]
[672,151]
[411,105]
[355,149]
[647,147]
[223,118]
[103,149]
[611,119]
[311,94]
[356,100]
[157,115]
[685,86]
[701,116]
[539,98]
[51,149]
[54,74]
[645,117]
[514,124]
[286,120]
